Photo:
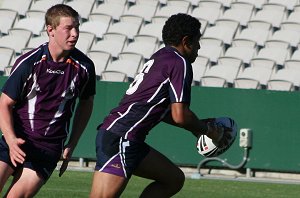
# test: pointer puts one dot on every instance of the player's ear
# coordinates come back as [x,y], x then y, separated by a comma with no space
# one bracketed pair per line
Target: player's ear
[186,42]
[49,30]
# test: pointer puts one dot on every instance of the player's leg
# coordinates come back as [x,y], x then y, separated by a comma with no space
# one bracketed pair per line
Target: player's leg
[5,172]
[110,177]
[117,158]
[168,178]
[30,176]
[6,167]
[107,185]
[26,183]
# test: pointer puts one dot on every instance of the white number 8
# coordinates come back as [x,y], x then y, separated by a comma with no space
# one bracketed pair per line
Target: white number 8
[139,78]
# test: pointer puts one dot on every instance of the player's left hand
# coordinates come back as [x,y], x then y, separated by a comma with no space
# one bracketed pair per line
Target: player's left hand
[224,141]
[66,158]
[63,167]
[215,132]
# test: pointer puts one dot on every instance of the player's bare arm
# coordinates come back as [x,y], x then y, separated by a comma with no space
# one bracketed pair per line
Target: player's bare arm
[6,123]
[82,115]
[182,116]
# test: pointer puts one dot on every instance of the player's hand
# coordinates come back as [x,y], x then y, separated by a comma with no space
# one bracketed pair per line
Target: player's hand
[224,141]
[17,155]
[63,167]
[66,156]
[218,134]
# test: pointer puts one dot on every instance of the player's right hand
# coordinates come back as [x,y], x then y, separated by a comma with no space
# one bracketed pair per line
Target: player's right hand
[16,154]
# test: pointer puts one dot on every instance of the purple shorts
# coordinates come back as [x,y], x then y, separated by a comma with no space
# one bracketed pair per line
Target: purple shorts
[118,156]
[39,160]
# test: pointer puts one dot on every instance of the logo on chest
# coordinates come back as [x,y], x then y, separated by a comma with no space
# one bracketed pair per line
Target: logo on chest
[50,71]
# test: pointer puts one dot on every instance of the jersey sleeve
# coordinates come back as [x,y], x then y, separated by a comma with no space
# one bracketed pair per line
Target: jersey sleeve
[15,83]
[90,87]
[180,82]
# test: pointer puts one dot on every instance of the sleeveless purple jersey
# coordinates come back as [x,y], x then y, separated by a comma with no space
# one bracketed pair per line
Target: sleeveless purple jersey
[166,78]
[45,93]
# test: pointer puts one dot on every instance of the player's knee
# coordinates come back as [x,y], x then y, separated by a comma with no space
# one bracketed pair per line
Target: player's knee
[19,193]
[177,180]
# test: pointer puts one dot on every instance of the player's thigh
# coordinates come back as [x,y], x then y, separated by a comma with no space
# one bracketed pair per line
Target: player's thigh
[158,167]
[6,167]
[26,183]
[5,171]
[107,185]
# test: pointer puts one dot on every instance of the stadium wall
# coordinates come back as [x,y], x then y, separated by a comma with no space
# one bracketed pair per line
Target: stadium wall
[273,117]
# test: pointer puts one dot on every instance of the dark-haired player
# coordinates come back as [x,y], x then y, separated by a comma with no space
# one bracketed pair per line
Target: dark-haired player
[160,92]
[38,101]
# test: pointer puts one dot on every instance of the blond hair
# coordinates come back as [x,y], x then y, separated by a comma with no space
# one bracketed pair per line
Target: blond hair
[53,14]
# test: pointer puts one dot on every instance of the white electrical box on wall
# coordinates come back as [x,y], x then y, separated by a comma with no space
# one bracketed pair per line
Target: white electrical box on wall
[245,138]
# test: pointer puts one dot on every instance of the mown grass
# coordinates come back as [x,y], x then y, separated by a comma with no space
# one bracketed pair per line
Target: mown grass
[75,184]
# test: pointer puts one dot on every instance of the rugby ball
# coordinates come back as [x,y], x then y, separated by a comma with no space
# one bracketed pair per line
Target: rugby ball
[205,145]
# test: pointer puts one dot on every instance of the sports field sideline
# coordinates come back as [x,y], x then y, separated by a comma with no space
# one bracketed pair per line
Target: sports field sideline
[213,174]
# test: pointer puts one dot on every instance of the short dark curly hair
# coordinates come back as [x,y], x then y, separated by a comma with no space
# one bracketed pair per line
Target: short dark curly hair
[178,26]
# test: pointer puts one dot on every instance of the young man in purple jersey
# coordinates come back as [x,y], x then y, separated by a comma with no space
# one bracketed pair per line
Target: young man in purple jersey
[37,104]
[160,92]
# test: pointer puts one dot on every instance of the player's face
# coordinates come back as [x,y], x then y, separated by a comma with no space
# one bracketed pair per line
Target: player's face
[66,34]
[192,50]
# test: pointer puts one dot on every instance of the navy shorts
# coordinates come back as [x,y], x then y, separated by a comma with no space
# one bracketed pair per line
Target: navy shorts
[37,159]
[118,156]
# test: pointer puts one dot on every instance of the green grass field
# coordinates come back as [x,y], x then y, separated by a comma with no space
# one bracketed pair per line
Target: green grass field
[76,184]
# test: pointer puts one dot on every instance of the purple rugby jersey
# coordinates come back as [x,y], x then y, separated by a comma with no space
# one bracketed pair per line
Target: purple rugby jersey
[45,93]
[166,78]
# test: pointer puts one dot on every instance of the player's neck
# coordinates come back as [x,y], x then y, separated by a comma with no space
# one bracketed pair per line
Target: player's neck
[57,54]
[179,49]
